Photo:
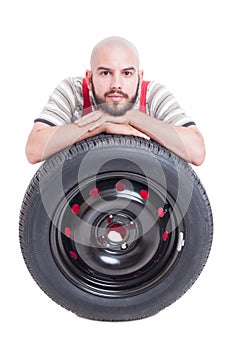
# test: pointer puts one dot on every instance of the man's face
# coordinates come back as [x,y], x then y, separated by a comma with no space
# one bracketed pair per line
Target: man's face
[115,79]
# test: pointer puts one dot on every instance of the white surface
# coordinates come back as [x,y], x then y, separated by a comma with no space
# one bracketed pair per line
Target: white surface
[186,45]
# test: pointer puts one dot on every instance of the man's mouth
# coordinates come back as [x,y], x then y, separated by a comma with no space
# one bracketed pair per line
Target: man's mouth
[116,96]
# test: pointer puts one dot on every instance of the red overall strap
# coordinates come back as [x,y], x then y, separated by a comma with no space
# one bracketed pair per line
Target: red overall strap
[144,86]
[86,98]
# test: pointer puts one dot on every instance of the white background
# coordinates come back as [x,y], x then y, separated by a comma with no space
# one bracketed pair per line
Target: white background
[185,45]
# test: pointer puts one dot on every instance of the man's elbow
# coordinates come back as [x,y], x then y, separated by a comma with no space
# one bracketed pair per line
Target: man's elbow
[197,149]
[198,155]
[33,155]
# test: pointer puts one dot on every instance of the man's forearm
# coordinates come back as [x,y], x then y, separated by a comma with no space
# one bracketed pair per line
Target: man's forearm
[45,141]
[186,142]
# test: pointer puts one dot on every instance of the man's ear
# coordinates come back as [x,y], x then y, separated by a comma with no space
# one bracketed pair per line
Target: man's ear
[88,78]
[141,74]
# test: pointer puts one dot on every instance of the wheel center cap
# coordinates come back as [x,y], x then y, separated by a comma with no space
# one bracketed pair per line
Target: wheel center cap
[116,233]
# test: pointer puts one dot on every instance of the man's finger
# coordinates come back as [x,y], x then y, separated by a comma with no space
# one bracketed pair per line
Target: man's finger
[95,126]
[88,119]
[144,136]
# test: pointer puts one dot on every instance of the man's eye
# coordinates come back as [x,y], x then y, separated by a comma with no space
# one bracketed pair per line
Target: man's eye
[105,73]
[127,73]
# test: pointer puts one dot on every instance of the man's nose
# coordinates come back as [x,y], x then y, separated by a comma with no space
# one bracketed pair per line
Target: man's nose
[116,83]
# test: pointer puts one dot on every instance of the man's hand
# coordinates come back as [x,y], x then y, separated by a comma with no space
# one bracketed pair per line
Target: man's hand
[99,118]
[109,124]
[124,129]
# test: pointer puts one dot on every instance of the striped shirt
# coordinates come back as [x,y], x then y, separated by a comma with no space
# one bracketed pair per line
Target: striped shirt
[65,104]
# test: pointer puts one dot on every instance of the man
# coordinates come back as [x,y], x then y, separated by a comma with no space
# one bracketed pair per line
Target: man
[112,105]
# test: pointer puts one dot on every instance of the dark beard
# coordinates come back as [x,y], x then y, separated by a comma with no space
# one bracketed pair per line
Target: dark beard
[115,109]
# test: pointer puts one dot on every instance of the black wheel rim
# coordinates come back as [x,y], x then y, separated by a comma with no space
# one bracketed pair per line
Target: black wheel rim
[116,235]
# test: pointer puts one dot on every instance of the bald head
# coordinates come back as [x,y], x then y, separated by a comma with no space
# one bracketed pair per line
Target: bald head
[115,44]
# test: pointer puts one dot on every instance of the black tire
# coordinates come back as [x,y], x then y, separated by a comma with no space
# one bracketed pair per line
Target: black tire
[115,228]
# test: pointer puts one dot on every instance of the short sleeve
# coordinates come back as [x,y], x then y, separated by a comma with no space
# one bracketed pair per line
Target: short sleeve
[163,106]
[61,106]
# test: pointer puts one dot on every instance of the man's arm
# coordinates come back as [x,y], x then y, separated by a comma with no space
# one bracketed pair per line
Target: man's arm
[45,140]
[186,142]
